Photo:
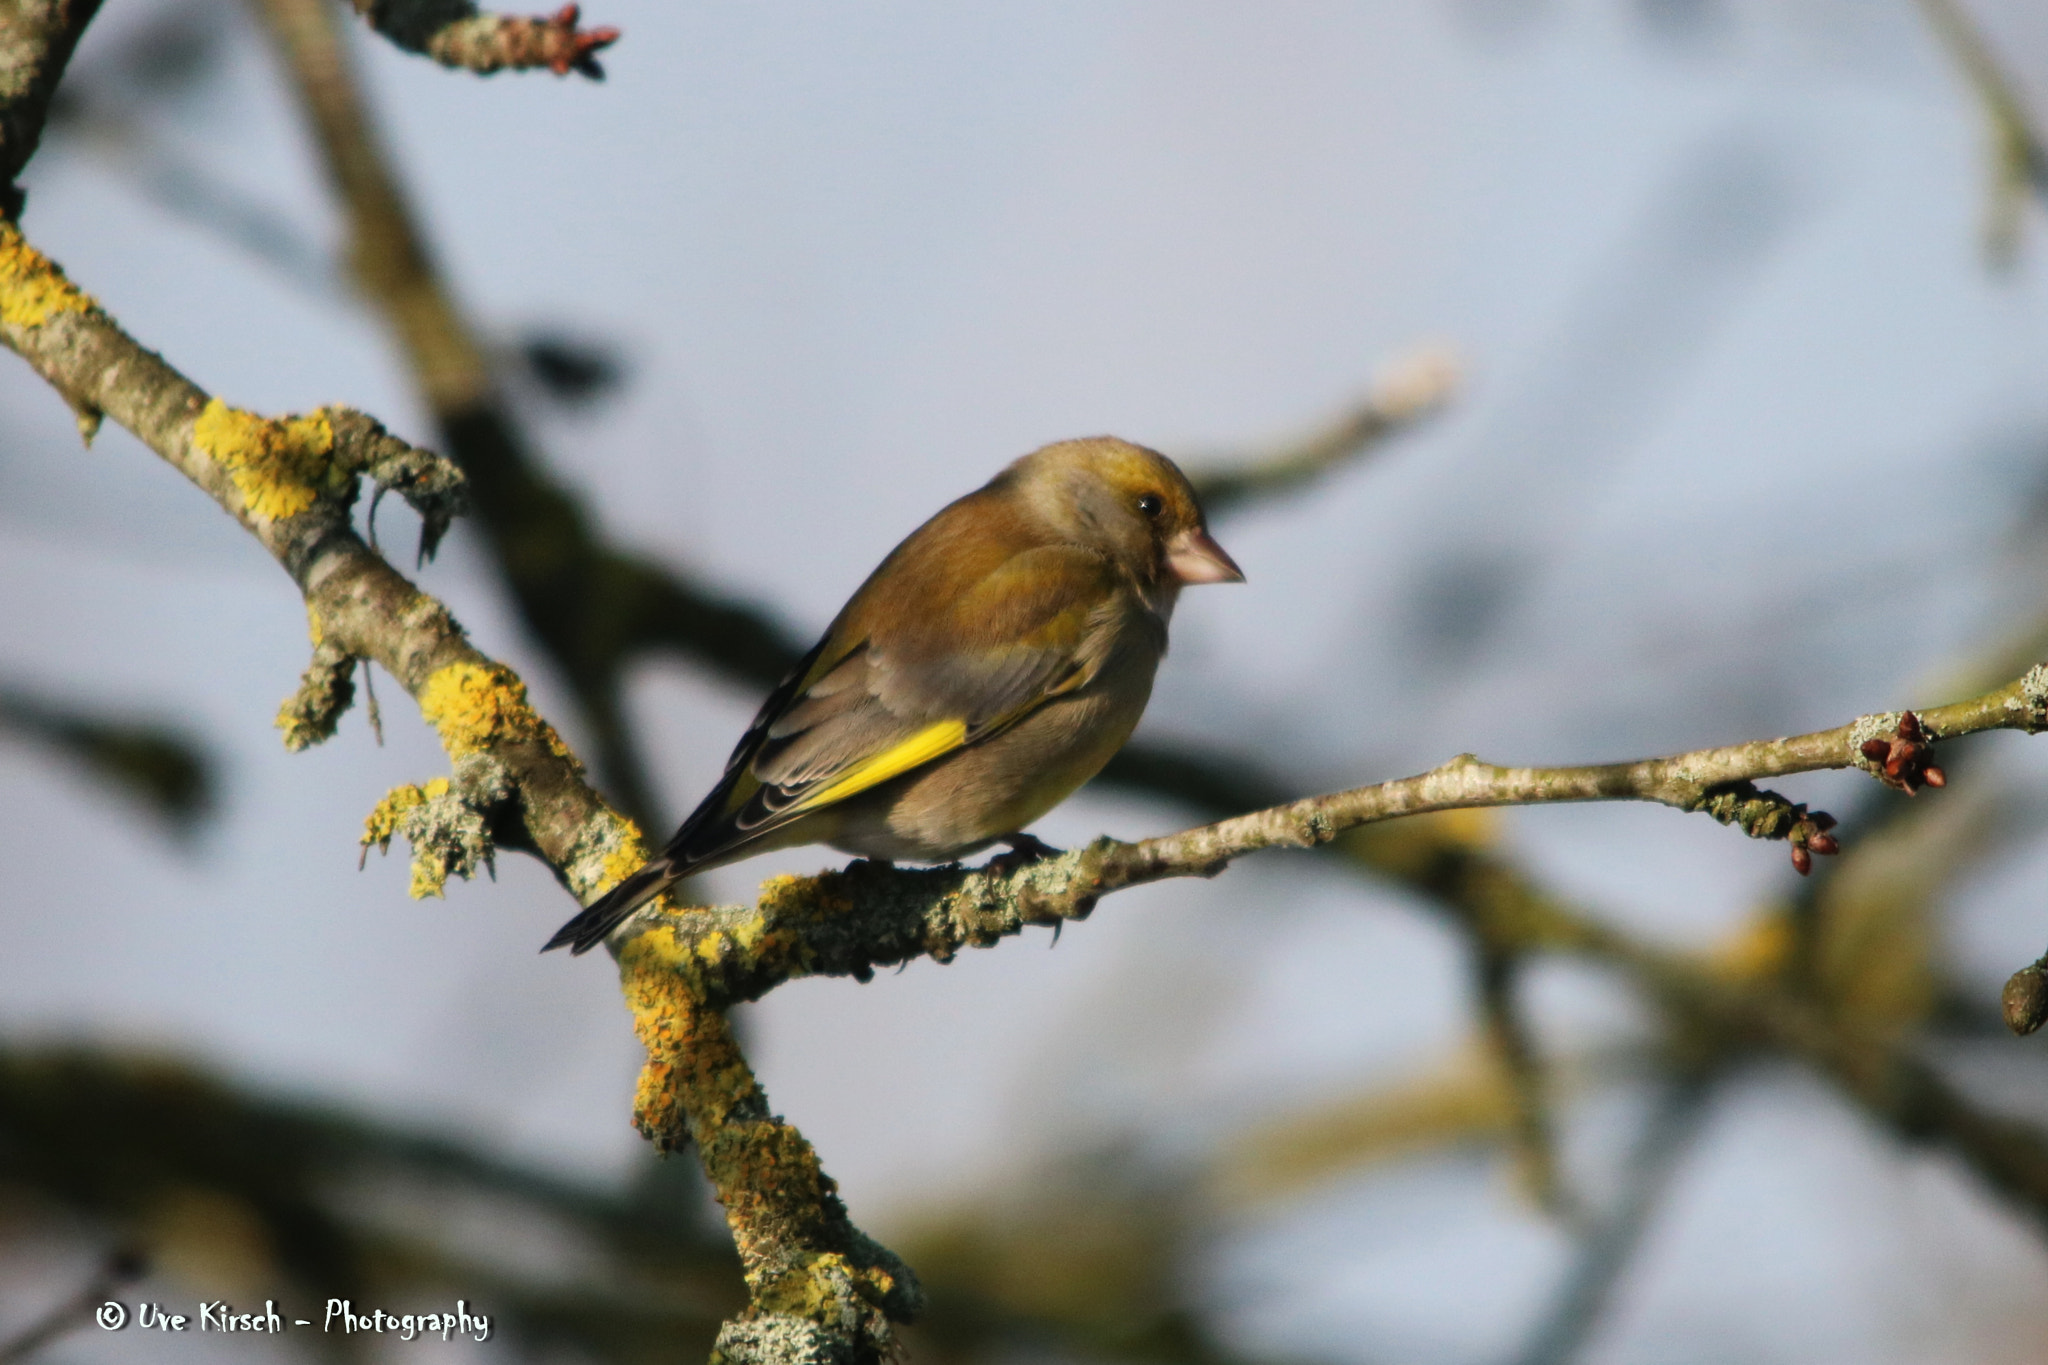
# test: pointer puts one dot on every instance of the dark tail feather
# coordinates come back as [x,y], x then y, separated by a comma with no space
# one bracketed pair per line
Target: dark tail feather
[609,911]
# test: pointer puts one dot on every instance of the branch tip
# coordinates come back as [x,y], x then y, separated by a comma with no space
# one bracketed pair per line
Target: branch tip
[457,34]
[1903,756]
[310,715]
[2025,998]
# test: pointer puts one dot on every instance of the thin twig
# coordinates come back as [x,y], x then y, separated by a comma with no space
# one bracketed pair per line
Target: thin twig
[1509,1038]
[1606,1250]
[1413,389]
[457,34]
[119,1268]
[2019,161]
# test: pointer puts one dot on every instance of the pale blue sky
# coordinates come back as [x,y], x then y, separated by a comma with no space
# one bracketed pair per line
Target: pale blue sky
[1742,398]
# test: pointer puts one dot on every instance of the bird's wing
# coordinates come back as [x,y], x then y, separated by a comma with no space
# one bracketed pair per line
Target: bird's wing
[870,705]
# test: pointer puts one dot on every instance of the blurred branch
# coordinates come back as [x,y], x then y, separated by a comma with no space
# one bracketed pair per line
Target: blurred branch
[181,186]
[1513,1047]
[1415,388]
[1462,1100]
[1605,1250]
[457,34]
[76,1311]
[2019,163]
[1090,1259]
[167,772]
[36,42]
[170,1158]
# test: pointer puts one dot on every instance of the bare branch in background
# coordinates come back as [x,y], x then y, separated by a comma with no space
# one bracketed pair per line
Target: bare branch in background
[1513,1045]
[75,1312]
[1607,1247]
[331,1204]
[167,772]
[2019,161]
[1417,387]
[457,34]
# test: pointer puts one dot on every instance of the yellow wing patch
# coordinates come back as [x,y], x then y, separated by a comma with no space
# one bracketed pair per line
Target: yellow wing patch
[922,747]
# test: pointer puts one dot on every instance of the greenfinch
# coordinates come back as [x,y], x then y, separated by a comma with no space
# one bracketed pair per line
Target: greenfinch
[990,666]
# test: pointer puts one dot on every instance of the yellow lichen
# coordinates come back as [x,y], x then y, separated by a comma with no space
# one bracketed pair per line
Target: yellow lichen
[622,862]
[32,288]
[280,466]
[474,706]
[313,626]
[382,823]
[815,1286]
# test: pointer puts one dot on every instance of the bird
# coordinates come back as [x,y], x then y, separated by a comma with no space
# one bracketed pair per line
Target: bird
[991,664]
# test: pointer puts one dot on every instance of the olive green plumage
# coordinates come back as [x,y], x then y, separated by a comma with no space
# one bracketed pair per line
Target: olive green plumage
[990,666]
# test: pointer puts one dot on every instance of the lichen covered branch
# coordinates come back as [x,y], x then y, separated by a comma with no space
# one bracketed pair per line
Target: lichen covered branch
[851,921]
[457,34]
[291,483]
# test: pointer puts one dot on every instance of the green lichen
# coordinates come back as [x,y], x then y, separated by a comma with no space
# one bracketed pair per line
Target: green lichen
[781,1340]
[1759,814]
[327,688]
[446,822]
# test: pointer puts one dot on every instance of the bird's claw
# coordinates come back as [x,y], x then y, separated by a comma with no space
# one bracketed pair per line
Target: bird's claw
[1025,849]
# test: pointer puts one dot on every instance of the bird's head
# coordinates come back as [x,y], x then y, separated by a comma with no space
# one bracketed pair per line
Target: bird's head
[1129,503]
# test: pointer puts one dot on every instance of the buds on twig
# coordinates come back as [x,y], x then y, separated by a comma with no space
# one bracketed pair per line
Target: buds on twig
[1906,759]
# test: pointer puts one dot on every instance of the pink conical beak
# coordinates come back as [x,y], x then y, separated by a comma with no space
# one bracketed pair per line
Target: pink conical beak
[1194,558]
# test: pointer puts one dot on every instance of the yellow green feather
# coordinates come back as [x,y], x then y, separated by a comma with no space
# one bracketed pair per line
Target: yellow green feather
[922,747]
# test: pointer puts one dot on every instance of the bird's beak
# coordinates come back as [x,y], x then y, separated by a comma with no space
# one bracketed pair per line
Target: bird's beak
[1193,557]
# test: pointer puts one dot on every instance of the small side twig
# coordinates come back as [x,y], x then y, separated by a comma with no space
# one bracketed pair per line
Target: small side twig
[1605,1251]
[2019,161]
[1507,1034]
[1410,391]
[457,34]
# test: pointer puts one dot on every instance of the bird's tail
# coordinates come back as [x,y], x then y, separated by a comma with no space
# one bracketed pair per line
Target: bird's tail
[609,911]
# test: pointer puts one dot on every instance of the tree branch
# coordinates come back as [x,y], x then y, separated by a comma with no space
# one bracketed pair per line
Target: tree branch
[870,915]
[457,34]
[36,41]
[291,484]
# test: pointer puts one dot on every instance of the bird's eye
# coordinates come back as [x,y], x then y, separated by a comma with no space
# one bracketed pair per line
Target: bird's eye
[1150,504]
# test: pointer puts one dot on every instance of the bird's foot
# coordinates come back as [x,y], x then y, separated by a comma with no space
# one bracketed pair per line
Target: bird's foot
[1025,849]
